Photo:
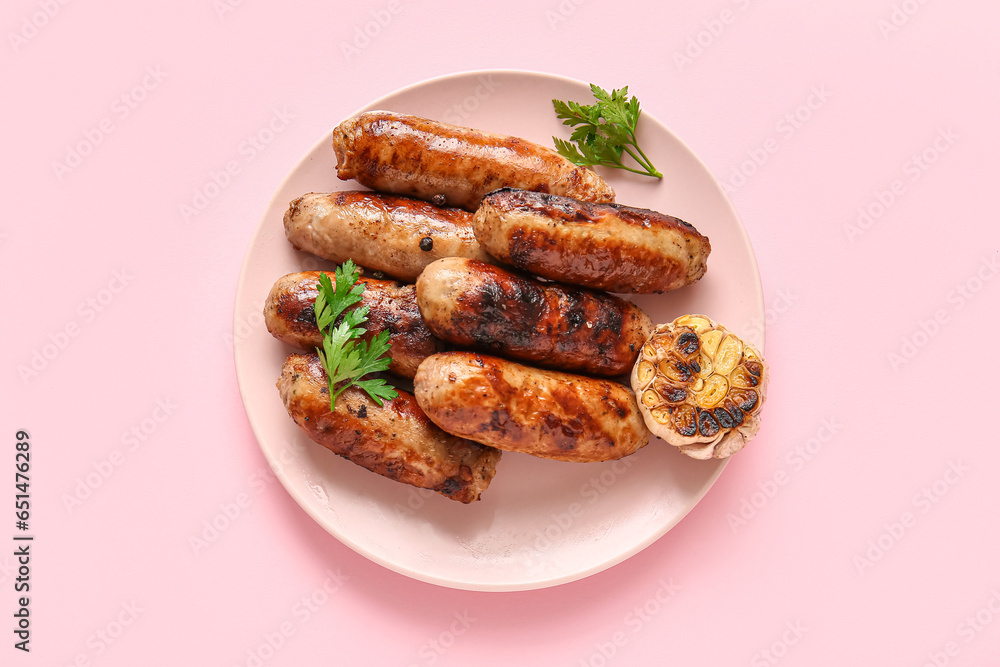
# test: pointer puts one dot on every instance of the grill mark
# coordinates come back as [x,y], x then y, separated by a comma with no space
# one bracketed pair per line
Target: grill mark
[551,325]
[555,250]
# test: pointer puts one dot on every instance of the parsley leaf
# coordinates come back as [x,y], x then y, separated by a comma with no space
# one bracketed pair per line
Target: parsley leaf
[344,357]
[604,131]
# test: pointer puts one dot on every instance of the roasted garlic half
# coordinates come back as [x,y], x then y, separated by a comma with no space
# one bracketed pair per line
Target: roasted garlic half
[700,387]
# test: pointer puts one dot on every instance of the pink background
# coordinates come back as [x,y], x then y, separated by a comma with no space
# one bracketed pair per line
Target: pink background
[859,528]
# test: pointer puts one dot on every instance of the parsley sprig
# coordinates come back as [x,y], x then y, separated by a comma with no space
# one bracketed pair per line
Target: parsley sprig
[604,131]
[344,356]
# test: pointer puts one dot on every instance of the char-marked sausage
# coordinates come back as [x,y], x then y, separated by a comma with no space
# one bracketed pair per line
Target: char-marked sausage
[481,306]
[396,235]
[602,246]
[395,440]
[522,409]
[392,307]
[453,165]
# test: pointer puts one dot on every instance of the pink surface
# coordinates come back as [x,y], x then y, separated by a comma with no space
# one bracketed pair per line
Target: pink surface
[859,528]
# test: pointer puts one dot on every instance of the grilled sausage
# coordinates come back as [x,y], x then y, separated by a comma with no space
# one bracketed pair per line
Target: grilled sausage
[477,305]
[603,246]
[443,163]
[396,440]
[289,316]
[517,408]
[396,235]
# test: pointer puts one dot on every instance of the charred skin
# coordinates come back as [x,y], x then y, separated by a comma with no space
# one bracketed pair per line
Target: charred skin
[392,307]
[701,387]
[396,235]
[448,164]
[602,246]
[517,408]
[396,440]
[477,305]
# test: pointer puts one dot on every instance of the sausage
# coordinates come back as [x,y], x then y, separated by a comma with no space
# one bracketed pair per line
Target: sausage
[477,305]
[394,152]
[289,316]
[396,235]
[522,409]
[603,246]
[395,440]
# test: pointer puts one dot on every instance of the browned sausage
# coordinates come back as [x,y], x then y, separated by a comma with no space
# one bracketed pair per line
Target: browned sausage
[477,305]
[396,235]
[395,440]
[603,246]
[394,152]
[289,316]
[521,409]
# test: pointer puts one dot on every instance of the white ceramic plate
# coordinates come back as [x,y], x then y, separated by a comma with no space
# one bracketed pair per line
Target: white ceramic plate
[540,523]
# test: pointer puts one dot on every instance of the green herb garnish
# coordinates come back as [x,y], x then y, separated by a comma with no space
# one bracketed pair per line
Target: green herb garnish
[344,356]
[604,131]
